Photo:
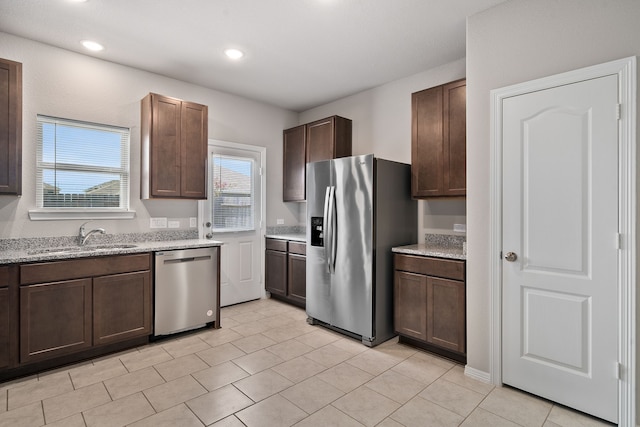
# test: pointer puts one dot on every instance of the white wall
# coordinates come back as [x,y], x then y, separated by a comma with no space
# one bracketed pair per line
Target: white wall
[382,126]
[61,83]
[515,42]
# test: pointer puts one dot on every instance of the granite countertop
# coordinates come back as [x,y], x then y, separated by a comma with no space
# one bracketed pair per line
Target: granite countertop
[423,249]
[44,252]
[296,237]
[437,245]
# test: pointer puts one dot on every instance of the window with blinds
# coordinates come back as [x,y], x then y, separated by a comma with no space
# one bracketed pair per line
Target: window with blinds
[233,194]
[81,166]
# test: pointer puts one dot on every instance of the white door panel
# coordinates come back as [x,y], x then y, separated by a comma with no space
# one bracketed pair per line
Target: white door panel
[235,219]
[560,216]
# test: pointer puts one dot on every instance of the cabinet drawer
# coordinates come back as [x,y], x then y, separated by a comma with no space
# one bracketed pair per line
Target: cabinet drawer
[297,248]
[446,268]
[83,267]
[276,245]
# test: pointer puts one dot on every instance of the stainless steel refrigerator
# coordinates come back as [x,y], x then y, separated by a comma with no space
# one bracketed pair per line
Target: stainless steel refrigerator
[358,208]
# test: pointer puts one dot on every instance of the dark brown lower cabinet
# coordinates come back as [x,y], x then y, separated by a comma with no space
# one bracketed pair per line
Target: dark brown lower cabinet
[55,319]
[276,267]
[410,301]
[5,355]
[297,273]
[286,270]
[430,304]
[8,316]
[446,320]
[121,307]
[111,303]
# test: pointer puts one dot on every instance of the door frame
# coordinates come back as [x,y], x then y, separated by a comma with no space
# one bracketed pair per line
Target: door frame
[625,69]
[261,229]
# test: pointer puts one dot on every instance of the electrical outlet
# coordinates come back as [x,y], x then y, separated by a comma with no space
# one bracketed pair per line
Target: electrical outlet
[174,224]
[193,222]
[462,228]
[158,222]
[280,221]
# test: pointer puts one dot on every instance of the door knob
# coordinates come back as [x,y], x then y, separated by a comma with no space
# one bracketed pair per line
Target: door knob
[511,256]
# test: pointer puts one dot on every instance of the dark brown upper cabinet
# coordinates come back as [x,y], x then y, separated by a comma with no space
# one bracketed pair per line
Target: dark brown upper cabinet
[10,127]
[328,138]
[439,141]
[294,164]
[174,148]
[324,139]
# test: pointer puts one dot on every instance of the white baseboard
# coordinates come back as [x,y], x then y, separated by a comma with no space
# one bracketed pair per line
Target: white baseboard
[479,375]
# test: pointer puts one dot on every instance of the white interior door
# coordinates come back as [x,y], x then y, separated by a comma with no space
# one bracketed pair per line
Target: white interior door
[560,219]
[233,215]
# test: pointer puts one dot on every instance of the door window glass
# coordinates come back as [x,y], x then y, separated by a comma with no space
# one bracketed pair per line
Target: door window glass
[233,194]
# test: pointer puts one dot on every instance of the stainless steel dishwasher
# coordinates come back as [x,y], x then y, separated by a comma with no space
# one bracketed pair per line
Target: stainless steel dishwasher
[186,289]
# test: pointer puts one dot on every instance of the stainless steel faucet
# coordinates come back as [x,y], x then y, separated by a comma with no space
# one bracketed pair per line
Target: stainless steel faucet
[82,236]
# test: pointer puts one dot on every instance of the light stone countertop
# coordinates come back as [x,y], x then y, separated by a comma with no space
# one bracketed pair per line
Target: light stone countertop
[432,251]
[33,254]
[296,237]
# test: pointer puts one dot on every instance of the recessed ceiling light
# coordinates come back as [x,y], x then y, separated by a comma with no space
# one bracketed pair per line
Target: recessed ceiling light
[93,46]
[234,53]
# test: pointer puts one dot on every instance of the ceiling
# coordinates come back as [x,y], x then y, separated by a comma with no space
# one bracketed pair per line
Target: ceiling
[298,53]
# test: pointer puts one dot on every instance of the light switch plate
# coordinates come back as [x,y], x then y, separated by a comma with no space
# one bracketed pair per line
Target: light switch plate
[462,228]
[279,221]
[174,224]
[193,222]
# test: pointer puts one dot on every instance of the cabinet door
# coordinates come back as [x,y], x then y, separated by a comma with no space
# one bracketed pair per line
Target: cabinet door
[438,141]
[410,304]
[5,319]
[194,151]
[55,319]
[121,307]
[427,143]
[455,139]
[320,141]
[294,164]
[165,146]
[5,358]
[297,280]
[328,138]
[276,272]
[446,326]
[10,127]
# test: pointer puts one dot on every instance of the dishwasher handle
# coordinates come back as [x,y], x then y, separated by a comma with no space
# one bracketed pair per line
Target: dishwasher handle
[188,259]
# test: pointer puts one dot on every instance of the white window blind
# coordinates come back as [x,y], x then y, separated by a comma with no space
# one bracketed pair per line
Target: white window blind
[81,166]
[233,194]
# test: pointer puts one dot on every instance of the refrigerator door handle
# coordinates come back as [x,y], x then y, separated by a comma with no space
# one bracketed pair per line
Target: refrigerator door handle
[334,225]
[327,228]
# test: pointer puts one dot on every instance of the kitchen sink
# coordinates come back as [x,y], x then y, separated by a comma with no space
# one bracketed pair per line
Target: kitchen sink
[54,250]
[108,247]
[74,249]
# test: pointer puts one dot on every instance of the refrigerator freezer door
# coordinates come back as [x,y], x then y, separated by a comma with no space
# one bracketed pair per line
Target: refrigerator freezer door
[352,283]
[318,304]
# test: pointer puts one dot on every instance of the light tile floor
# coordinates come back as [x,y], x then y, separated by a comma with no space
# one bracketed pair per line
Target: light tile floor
[267,367]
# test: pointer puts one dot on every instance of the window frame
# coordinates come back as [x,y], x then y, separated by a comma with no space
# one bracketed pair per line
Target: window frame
[123,211]
[251,206]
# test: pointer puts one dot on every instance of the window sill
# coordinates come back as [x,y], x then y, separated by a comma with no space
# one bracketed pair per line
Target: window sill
[62,214]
